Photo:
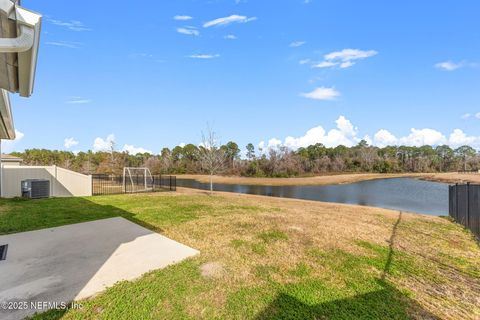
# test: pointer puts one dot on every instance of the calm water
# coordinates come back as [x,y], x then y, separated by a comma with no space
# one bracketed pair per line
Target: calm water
[405,194]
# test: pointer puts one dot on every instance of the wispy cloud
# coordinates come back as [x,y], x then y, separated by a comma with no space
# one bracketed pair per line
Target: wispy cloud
[452,66]
[297,44]
[230,37]
[65,44]
[449,65]
[182,18]
[228,20]
[344,58]
[322,93]
[78,100]
[73,25]
[204,56]
[191,31]
[141,55]
[69,142]
[470,115]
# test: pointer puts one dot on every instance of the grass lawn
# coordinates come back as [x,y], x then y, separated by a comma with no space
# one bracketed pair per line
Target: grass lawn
[270,258]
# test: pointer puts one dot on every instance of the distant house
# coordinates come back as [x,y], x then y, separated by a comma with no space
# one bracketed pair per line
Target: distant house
[8,160]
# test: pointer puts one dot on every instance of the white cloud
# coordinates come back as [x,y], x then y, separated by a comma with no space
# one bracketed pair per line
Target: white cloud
[65,44]
[459,138]
[344,58]
[134,150]
[101,144]
[9,145]
[347,134]
[204,56]
[346,64]
[230,37]
[297,44]
[228,20]
[421,137]
[73,25]
[182,18]
[70,142]
[325,64]
[304,61]
[467,115]
[344,134]
[350,54]
[449,65]
[78,100]
[322,93]
[261,145]
[384,138]
[188,31]
[477,115]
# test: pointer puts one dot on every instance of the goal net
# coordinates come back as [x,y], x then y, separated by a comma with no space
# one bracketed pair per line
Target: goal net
[137,179]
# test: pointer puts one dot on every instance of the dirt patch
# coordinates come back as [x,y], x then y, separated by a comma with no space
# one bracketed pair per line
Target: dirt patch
[212,270]
[296,228]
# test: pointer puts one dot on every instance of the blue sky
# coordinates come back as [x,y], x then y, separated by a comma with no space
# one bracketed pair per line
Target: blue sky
[292,72]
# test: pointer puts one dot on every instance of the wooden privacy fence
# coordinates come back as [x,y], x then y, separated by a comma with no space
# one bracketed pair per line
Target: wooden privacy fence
[464,206]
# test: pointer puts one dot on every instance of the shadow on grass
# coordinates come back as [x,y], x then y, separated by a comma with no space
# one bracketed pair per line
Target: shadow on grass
[385,303]
[20,215]
[59,259]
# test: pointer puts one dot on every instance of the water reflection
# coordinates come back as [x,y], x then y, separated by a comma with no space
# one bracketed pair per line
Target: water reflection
[405,194]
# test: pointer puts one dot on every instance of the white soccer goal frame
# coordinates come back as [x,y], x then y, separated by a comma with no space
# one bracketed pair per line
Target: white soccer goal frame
[128,178]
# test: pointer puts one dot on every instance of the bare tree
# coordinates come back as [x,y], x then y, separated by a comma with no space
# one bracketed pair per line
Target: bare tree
[212,157]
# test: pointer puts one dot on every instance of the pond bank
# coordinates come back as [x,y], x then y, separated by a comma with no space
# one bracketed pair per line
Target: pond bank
[447,177]
[301,181]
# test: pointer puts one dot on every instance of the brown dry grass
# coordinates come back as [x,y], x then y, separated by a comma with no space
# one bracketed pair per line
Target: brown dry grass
[333,259]
[440,279]
[453,177]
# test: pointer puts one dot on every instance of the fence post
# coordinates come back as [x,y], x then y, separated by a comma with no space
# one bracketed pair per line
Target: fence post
[170,183]
[468,205]
[456,201]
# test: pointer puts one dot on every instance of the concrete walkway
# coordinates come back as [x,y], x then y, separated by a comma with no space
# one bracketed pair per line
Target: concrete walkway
[77,261]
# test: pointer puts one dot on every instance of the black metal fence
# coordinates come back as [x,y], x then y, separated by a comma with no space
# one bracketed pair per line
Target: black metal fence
[464,206]
[112,184]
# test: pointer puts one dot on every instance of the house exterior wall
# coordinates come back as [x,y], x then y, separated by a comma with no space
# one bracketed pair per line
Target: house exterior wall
[8,163]
[63,182]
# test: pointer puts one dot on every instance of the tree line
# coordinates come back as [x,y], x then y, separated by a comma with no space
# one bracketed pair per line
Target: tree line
[278,162]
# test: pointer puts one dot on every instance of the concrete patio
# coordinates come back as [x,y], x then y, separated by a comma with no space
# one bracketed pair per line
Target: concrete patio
[77,261]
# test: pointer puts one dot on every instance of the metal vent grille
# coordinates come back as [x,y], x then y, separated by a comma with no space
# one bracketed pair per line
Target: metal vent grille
[3,251]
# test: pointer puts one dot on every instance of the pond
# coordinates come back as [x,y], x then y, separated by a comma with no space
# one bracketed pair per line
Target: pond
[406,194]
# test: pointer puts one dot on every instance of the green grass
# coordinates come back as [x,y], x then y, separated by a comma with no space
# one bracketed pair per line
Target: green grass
[273,235]
[18,215]
[270,272]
